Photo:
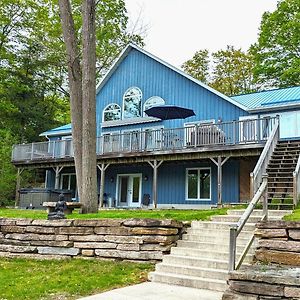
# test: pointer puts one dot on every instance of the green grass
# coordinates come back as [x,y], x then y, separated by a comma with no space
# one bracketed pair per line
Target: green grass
[176,214]
[66,279]
[294,216]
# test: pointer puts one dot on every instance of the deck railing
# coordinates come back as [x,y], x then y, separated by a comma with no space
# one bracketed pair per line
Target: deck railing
[296,183]
[250,131]
[262,164]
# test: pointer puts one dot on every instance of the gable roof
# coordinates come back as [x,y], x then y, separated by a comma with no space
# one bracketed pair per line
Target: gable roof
[131,46]
[272,99]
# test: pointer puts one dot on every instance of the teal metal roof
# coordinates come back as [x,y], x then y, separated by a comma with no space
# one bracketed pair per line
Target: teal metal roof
[62,130]
[271,98]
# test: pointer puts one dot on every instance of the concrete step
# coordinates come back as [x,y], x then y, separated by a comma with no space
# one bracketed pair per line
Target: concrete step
[218,234]
[223,255]
[189,281]
[192,271]
[207,246]
[216,239]
[252,219]
[259,212]
[196,262]
[218,225]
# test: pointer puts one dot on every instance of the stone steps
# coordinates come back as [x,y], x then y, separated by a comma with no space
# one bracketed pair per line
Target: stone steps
[189,281]
[209,246]
[223,255]
[200,259]
[192,271]
[258,212]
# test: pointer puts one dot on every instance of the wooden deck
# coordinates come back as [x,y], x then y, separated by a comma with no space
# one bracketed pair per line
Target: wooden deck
[236,138]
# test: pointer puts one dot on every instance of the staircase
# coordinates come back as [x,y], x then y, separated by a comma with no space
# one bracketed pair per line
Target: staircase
[200,259]
[280,174]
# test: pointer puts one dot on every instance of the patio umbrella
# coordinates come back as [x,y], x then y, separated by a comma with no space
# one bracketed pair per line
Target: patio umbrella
[168,112]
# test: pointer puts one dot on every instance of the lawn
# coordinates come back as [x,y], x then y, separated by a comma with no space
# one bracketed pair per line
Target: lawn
[295,216]
[176,214]
[65,279]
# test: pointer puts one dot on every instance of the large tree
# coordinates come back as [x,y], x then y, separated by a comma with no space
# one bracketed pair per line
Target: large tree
[230,71]
[277,51]
[198,66]
[34,94]
[82,81]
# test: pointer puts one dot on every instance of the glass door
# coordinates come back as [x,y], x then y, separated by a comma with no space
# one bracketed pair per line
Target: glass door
[129,190]
[68,182]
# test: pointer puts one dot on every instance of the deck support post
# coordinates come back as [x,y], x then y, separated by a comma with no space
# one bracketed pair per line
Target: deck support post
[102,167]
[18,184]
[155,165]
[57,171]
[219,163]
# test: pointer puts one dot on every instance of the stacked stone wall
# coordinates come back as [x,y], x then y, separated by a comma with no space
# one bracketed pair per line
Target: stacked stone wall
[276,274]
[130,239]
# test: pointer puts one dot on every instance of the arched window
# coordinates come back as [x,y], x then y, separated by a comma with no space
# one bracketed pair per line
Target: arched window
[112,112]
[153,101]
[132,103]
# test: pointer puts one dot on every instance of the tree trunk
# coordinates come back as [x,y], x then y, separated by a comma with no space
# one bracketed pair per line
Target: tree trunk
[83,109]
[89,159]
[75,86]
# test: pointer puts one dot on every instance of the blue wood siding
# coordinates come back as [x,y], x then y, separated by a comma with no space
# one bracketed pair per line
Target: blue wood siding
[155,79]
[171,185]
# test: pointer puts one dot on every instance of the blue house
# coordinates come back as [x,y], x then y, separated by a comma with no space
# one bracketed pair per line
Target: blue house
[201,161]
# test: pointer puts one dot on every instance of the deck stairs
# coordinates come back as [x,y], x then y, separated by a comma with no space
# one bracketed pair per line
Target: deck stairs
[280,174]
[200,259]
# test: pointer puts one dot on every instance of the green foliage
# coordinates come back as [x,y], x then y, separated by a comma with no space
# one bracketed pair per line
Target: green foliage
[65,279]
[176,214]
[277,52]
[233,71]
[229,71]
[7,170]
[33,74]
[198,66]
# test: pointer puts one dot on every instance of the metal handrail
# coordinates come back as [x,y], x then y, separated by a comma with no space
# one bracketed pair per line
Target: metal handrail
[261,165]
[236,229]
[296,182]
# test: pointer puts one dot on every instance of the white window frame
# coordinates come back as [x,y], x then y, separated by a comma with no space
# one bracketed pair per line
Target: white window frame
[151,98]
[104,110]
[124,97]
[198,184]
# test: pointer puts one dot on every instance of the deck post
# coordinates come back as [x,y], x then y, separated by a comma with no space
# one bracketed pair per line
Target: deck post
[18,184]
[57,171]
[102,167]
[155,165]
[219,163]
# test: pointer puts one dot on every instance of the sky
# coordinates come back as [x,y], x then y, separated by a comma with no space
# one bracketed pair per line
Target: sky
[176,29]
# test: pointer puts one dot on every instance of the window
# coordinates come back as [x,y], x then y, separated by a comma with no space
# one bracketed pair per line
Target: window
[112,112]
[198,184]
[153,101]
[132,103]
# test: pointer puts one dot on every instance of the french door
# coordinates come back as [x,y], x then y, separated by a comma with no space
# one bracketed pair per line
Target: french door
[129,190]
[68,182]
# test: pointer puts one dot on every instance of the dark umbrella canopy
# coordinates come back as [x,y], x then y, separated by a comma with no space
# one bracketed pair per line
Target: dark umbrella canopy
[168,112]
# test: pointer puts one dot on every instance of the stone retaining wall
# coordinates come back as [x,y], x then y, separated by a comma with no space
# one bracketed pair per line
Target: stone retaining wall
[276,274]
[279,242]
[131,239]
